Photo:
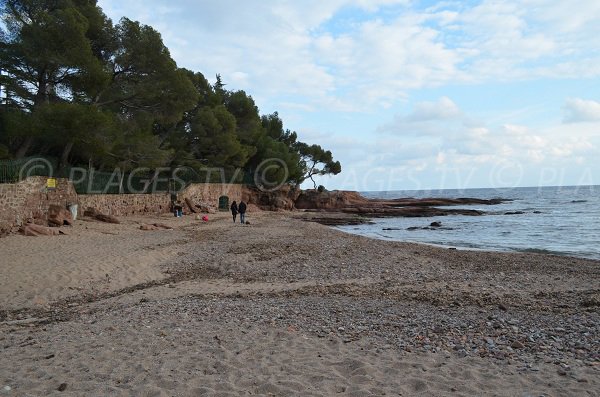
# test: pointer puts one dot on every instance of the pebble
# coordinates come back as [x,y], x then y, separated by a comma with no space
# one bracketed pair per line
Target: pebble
[517,345]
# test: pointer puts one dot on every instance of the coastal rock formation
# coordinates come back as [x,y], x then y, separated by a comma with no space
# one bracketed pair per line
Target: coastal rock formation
[285,198]
[353,203]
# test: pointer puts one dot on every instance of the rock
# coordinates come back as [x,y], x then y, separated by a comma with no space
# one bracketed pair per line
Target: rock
[106,218]
[502,307]
[162,226]
[435,224]
[517,345]
[62,387]
[94,213]
[31,229]
[91,212]
[190,205]
[59,216]
[205,208]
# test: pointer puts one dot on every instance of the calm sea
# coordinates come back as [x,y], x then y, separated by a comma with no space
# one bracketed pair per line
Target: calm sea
[559,220]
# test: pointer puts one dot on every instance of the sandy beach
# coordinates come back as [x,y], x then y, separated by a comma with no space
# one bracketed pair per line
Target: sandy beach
[286,307]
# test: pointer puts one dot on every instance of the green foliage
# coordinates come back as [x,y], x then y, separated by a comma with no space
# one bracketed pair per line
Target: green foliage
[317,161]
[85,91]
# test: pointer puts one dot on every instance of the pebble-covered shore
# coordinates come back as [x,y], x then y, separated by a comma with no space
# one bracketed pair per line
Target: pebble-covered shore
[529,314]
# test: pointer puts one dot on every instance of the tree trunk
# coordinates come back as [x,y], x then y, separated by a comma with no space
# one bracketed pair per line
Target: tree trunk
[24,148]
[64,158]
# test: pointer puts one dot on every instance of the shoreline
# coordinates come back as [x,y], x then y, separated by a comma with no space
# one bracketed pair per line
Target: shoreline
[290,307]
[538,251]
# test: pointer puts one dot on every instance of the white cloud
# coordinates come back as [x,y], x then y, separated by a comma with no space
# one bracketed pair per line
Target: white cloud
[443,109]
[286,48]
[581,110]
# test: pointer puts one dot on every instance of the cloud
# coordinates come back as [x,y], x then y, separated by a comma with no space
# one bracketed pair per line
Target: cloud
[351,55]
[580,110]
[443,109]
[425,119]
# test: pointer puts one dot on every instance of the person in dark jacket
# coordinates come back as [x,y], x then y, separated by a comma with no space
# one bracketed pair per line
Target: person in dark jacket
[234,210]
[242,211]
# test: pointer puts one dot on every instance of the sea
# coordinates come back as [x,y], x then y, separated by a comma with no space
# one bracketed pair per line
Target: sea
[560,220]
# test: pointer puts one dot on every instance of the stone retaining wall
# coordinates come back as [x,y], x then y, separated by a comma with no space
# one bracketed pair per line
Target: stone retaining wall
[209,193]
[31,198]
[126,204]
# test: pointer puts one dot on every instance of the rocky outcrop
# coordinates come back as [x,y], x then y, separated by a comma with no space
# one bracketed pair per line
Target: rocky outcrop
[284,198]
[353,203]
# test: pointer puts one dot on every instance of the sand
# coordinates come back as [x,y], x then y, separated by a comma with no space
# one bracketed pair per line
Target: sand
[288,307]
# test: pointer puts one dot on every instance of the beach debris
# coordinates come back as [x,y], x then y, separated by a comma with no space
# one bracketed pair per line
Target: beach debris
[205,218]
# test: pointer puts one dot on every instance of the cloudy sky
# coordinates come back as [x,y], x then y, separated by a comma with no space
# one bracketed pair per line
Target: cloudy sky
[408,94]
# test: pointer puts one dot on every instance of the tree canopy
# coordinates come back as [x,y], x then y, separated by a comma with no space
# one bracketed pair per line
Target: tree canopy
[77,87]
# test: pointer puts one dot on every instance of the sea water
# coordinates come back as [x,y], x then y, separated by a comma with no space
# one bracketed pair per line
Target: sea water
[558,220]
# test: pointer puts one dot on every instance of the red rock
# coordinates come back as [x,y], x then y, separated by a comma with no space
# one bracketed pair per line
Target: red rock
[59,216]
[91,212]
[106,218]
[31,229]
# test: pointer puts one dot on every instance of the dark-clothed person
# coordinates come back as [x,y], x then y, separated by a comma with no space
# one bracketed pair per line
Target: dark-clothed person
[234,210]
[242,211]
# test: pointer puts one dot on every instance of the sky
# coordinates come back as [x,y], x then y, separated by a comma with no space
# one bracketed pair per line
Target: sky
[408,95]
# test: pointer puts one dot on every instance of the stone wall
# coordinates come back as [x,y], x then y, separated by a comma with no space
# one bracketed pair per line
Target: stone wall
[31,198]
[209,193]
[126,204]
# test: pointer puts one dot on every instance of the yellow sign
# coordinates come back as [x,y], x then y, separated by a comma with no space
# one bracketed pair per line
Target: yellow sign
[51,183]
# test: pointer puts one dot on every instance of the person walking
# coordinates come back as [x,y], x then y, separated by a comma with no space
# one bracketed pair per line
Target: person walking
[242,211]
[234,210]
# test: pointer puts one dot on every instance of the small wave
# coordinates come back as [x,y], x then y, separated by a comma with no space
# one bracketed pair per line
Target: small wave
[578,201]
